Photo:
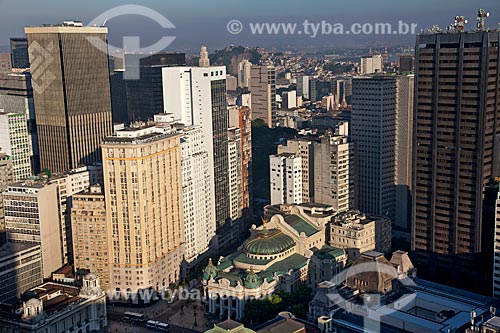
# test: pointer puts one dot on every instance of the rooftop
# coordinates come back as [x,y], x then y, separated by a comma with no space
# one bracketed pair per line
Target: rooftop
[300,225]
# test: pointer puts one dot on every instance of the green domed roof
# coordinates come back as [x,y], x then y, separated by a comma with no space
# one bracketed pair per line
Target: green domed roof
[210,271]
[252,280]
[270,241]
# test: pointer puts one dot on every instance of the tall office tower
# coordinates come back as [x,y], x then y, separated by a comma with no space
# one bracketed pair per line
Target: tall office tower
[319,88]
[289,99]
[20,270]
[244,73]
[31,216]
[16,96]
[199,224]
[340,92]
[304,148]
[240,117]
[88,225]
[6,177]
[405,86]
[286,179]
[144,210]
[372,64]
[15,142]
[303,86]
[406,63]
[335,172]
[204,61]
[235,173]
[70,78]
[69,184]
[373,127]
[456,133]
[144,89]
[119,105]
[263,89]
[196,96]
[19,53]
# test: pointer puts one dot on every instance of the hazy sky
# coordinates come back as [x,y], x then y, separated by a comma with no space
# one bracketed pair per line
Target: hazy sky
[204,21]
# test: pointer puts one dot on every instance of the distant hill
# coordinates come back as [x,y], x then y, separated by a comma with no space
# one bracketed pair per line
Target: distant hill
[232,55]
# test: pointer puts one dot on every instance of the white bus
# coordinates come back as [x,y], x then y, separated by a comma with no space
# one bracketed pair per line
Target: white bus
[158,326]
[139,317]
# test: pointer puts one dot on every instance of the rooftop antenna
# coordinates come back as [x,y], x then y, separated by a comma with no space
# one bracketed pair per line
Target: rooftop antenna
[458,25]
[481,17]
[104,23]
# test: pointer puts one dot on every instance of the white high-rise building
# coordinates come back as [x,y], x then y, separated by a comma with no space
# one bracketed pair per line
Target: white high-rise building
[199,224]
[286,179]
[303,86]
[32,216]
[304,148]
[372,64]
[289,99]
[196,96]
[244,73]
[15,141]
[335,172]
[235,173]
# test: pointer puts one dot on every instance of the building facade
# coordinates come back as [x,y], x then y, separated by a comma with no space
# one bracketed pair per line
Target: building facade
[71,93]
[144,210]
[20,269]
[373,127]
[19,53]
[263,89]
[305,149]
[244,74]
[285,172]
[196,96]
[15,142]
[89,227]
[455,144]
[16,96]
[32,216]
[335,172]
[372,64]
[356,233]
[405,86]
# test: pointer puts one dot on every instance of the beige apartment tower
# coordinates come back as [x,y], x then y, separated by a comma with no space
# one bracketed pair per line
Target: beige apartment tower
[70,78]
[88,222]
[144,210]
[263,89]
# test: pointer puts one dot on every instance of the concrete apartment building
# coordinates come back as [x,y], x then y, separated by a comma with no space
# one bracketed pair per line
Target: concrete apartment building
[89,228]
[244,73]
[32,216]
[235,173]
[15,142]
[68,184]
[16,96]
[20,269]
[144,209]
[335,172]
[304,148]
[356,233]
[285,179]
[263,89]
[372,64]
[240,117]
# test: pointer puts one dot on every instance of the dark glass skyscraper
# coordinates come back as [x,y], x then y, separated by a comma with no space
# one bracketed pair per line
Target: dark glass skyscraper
[70,79]
[145,93]
[456,138]
[19,53]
